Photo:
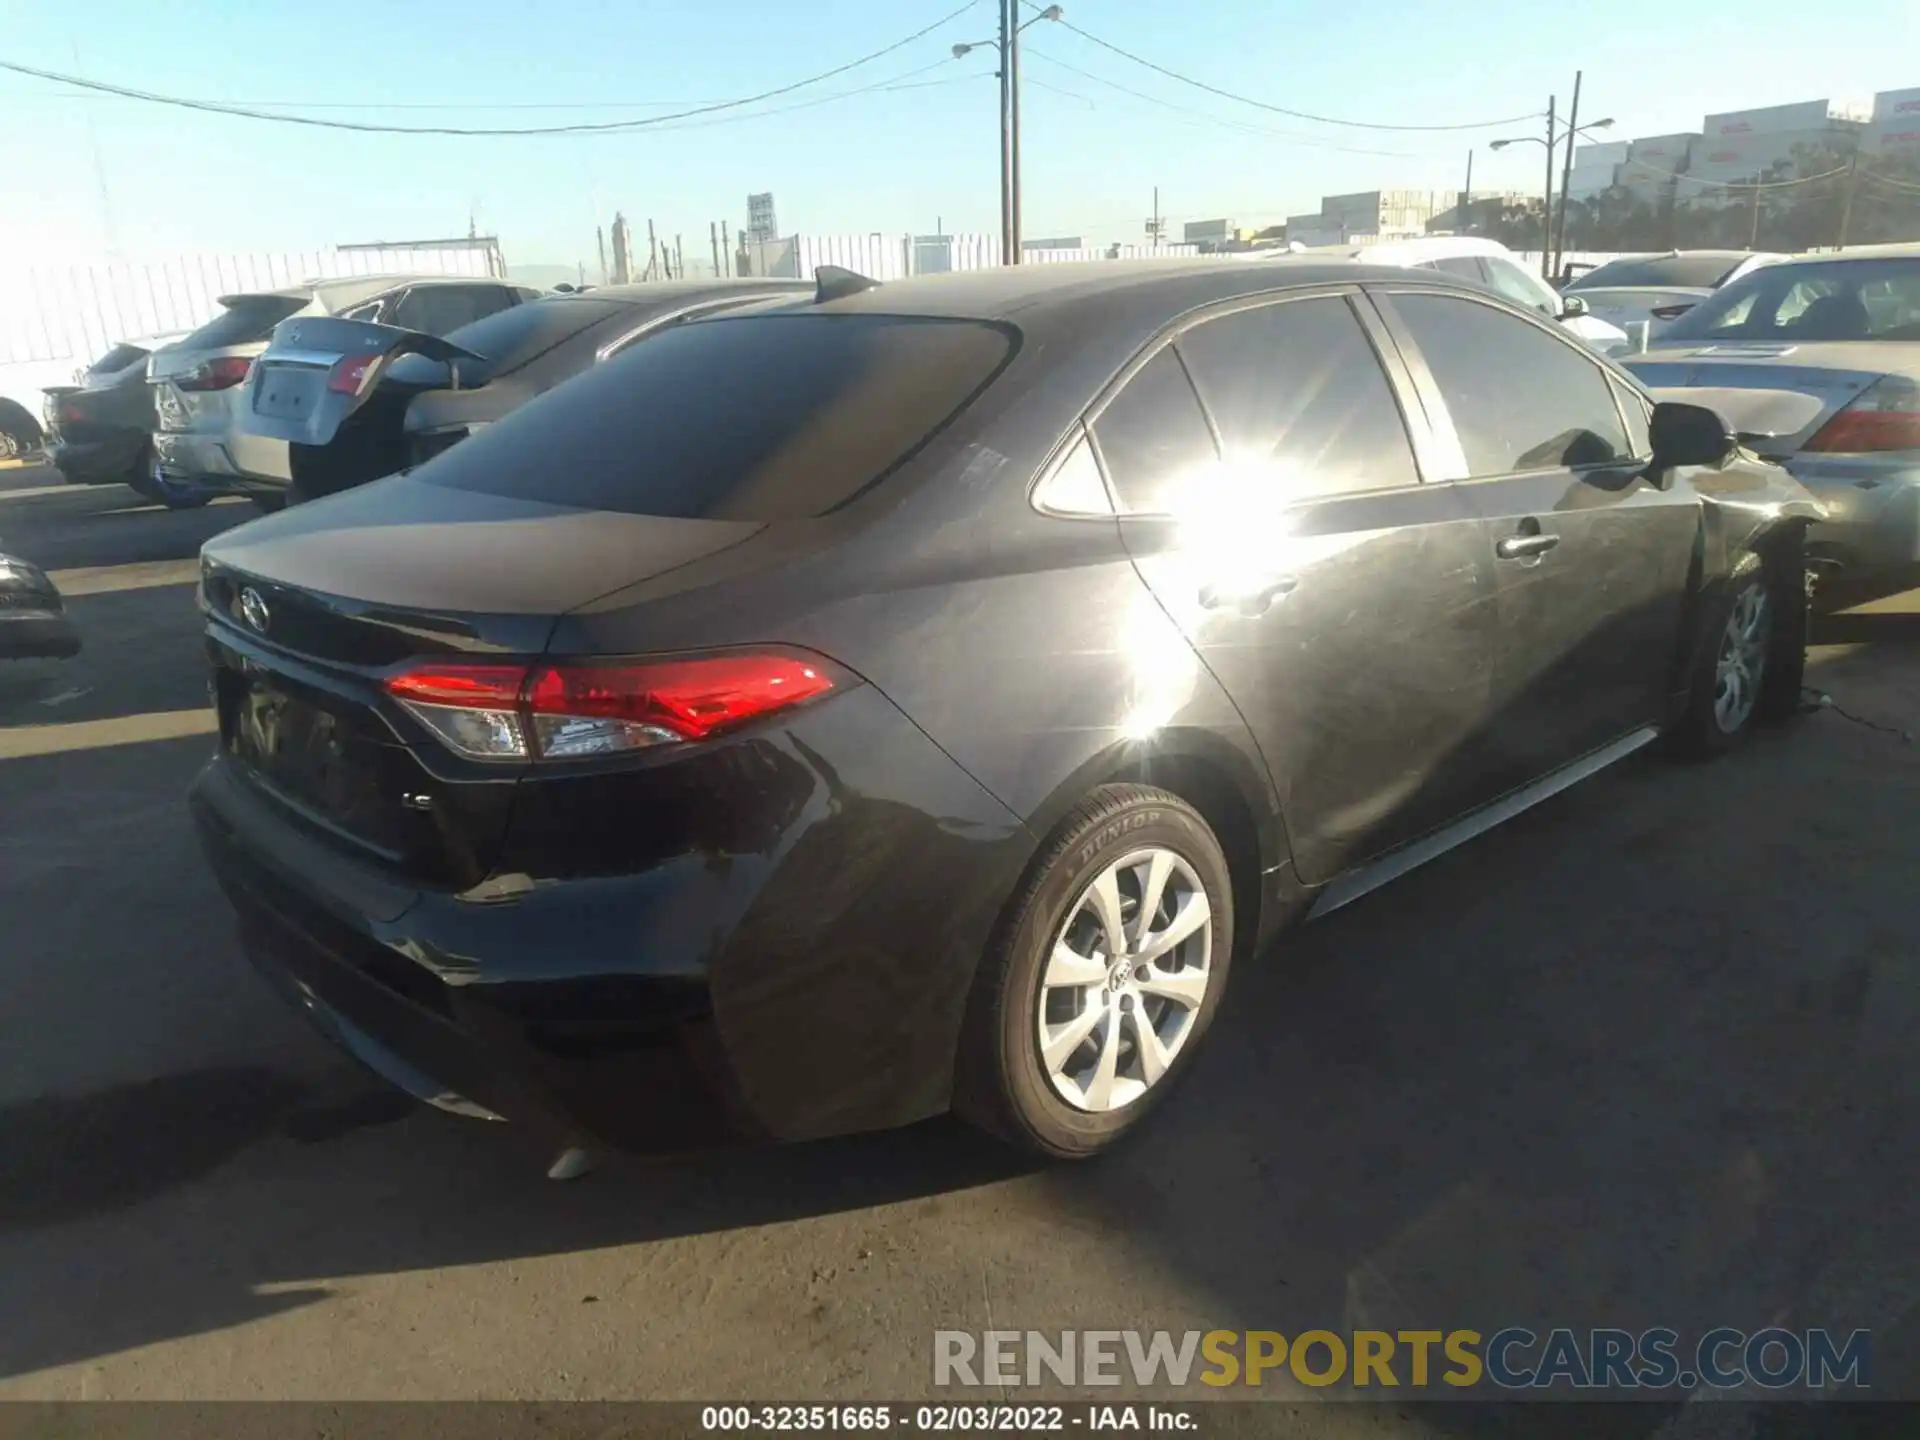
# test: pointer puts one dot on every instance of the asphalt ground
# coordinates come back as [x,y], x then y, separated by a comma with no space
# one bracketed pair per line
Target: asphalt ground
[1643,1056]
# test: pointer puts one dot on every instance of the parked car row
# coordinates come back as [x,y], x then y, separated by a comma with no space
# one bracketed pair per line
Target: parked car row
[894,698]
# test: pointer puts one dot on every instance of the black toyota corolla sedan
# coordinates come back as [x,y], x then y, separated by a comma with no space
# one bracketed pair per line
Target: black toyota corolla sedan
[816,719]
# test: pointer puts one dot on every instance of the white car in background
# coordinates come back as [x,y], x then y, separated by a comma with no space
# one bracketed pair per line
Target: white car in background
[1485,262]
[1659,289]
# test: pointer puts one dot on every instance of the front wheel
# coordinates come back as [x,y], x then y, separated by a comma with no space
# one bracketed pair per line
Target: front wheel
[1091,1005]
[1744,666]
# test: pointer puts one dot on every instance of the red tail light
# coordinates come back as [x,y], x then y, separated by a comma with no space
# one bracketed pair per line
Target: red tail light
[68,413]
[1670,312]
[219,374]
[349,376]
[1885,416]
[572,711]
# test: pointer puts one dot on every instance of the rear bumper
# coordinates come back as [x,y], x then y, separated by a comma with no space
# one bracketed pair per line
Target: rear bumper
[99,462]
[795,969]
[229,460]
[310,924]
[1873,512]
[37,635]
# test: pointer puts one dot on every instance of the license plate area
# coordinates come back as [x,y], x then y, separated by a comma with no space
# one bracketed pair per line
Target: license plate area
[316,753]
[288,392]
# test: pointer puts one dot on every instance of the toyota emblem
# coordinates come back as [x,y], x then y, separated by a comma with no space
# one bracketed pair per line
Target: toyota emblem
[253,609]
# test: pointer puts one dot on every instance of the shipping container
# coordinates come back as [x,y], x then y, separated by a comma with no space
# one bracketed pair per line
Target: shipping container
[1897,105]
[1749,157]
[1782,119]
[1669,152]
[1613,152]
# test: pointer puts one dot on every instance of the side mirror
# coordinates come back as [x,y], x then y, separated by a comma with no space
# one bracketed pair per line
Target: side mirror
[1572,307]
[1689,435]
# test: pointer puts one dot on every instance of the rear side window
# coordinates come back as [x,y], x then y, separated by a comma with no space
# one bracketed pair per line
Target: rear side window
[508,339]
[1153,437]
[1521,398]
[1702,272]
[1521,288]
[762,417]
[443,309]
[1297,390]
[247,319]
[1467,267]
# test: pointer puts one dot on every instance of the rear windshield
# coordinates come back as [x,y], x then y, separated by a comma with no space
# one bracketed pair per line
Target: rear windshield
[764,417]
[247,319]
[1699,272]
[118,358]
[508,339]
[1810,301]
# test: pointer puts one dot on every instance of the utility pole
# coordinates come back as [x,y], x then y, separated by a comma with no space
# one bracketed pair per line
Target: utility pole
[1846,208]
[679,256]
[1466,199]
[1546,202]
[1006,133]
[726,246]
[713,241]
[1013,120]
[1156,217]
[653,254]
[600,235]
[1566,173]
[1753,235]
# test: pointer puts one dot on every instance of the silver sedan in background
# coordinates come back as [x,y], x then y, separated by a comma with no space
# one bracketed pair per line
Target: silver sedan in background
[1817,362]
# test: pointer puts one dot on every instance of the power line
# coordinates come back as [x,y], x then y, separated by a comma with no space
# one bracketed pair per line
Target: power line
[364,127]
[1276,109]
[898,82]
[1243,127]
[1736,184]
[1879,179]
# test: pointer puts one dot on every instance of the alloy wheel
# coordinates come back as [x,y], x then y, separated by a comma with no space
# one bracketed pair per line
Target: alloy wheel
[1741,664]
[1125,979]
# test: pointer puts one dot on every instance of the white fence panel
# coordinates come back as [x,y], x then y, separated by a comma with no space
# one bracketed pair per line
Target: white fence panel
[76,312]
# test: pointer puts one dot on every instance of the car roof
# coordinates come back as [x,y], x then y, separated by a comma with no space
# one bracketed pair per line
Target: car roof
[1021,291]
[667,291]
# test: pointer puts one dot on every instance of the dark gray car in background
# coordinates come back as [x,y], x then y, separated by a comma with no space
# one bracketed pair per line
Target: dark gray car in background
[354,400]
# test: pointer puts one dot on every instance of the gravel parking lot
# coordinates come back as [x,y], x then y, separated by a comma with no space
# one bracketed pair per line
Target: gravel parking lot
[1642,1057]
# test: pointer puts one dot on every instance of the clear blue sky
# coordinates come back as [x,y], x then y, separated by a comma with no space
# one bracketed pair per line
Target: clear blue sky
[892,160]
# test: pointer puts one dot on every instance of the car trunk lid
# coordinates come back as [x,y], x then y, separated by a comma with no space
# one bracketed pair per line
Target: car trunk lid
[318,371]
[311,610]
[1831,382]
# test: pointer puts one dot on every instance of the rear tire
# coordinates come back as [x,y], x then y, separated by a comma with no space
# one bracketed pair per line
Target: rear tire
[1121,1015]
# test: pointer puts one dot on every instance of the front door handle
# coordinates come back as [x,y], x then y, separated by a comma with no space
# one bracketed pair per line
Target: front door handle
[1522,547]
[1248,602]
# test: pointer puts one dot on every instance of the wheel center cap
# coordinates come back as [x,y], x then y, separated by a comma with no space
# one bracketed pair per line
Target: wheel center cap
[1118,977]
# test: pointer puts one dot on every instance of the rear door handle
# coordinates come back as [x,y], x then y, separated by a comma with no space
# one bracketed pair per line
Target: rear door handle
[1520,547]
[1253,602]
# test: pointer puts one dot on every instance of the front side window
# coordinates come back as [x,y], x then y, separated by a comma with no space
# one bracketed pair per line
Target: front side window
[1521,398]
[1300,399]
[1154,439]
